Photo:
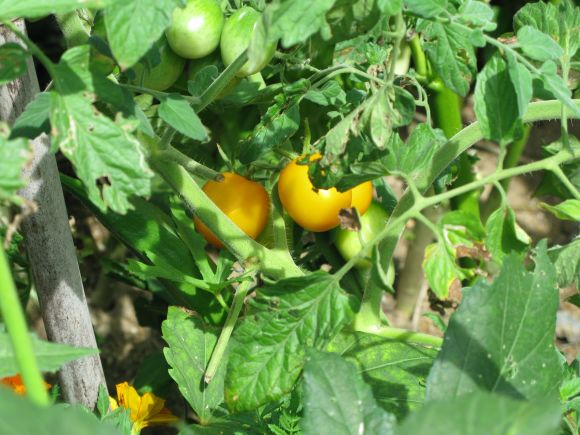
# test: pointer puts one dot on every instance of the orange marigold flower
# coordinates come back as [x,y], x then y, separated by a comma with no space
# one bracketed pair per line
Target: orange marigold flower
[15,383]
[146,410]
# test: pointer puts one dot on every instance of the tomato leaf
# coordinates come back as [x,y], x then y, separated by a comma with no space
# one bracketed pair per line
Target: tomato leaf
[268,353]
[441,269]
[556,85]
[277,126]
[105,155]
[496,103]
[337,399]
[503,234]
[415,155]
[50,356]
[13,156]
[450,51]
[34,119]
[426,8]
[10,9]
[537,45]
[22,416]
[479,14]
[396,372]
[566,259]
[568,210]
[178,113]
[294,21]
[501,339]
[484,413]
[191,343]
[133,27]
[12,62]
[560,22]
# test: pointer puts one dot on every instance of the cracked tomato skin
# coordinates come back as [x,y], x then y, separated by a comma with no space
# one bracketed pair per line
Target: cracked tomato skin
[313,209]
[362,196]
[195,30]
[244,201]
[236,37]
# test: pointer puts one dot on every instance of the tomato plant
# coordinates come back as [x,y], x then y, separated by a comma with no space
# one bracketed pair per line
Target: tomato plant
[195,30]
[245,202]
[445,128]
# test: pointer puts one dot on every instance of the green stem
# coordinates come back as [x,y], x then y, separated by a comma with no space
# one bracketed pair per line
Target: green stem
[219,84]
[514,152]
[398,34]
[13,316]
[406,336]
[273,263]
[224,338]
[75,30]
[539,111]
[565,181]
[190,165]
[419,58]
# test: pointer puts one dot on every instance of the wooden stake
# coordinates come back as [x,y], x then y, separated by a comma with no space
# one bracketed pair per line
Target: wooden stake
[51,250]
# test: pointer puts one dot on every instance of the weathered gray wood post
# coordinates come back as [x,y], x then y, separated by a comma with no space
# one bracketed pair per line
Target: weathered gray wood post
[51,250]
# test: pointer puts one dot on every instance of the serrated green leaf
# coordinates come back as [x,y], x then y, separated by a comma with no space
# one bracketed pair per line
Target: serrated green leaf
[426,8]
[337,399]
[294,21]
[566,260]
[568,210]
[415,155]
[502,234]
[277,126]
[177,112]
[191,343]
[12,62]
[50,356]
[501,339]
[133,27]
[202,80]
[483,414]
[440,269]
[556,85]
[378,117]
[496,103]
[34,120]
[450,51]
[521,79]
[13,156]
[268,352]
[19,416]
[10,9]
[477,13]
[537,45]
[395,371]
[561,22]
[106,156]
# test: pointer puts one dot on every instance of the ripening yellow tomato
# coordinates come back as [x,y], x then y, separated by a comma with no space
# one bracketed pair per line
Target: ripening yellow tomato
[244,201]
[362,196]
[313,209]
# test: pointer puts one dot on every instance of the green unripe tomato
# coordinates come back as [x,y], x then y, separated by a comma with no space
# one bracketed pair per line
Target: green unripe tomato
[196,29]
[236,38]
[99,61]
[348,242]
[163,75]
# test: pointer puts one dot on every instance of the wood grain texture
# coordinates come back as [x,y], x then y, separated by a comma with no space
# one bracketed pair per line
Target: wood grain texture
[51,250]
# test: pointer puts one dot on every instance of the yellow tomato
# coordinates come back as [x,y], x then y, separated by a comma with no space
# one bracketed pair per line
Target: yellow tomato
[362,195]
[313,209]
[245,202]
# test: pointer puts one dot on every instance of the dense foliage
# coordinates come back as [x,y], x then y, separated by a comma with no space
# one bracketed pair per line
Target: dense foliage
[259,125]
